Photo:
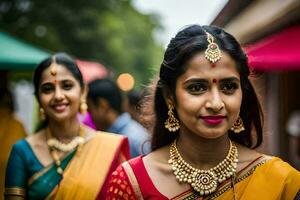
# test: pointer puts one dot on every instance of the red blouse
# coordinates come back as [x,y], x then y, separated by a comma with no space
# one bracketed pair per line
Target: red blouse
[120,187]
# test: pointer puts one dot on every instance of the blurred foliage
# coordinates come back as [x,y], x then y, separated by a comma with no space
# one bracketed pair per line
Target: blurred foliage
[112,32]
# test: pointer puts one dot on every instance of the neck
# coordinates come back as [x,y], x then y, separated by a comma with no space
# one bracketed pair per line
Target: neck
[66,131]
[111,118]
[203,153]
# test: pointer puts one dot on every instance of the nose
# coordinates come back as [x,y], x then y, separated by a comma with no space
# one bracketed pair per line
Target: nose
[58,95]
[214,101]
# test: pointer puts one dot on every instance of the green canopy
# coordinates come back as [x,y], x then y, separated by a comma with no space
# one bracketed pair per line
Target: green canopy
[18,55]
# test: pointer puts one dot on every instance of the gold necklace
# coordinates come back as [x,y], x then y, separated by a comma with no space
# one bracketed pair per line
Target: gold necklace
[55,145]
[203,181]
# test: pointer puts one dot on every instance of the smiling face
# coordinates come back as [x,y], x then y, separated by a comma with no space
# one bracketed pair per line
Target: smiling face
[60,95]
[208,99]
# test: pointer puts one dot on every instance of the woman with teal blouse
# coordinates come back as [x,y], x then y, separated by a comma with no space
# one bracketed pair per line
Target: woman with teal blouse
[64,159]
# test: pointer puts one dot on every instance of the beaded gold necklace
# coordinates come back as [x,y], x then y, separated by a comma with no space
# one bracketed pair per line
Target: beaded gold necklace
[203,181]
[55,146]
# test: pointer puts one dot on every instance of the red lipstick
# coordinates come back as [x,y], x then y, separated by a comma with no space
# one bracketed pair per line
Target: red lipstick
[213,119]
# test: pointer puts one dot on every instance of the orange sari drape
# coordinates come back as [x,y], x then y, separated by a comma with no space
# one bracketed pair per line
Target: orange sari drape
[87,172]
[274,180]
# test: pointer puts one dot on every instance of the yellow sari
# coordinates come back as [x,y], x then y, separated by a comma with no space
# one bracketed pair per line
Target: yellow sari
[274,180]
[86,173]
[267,180]
[11,130]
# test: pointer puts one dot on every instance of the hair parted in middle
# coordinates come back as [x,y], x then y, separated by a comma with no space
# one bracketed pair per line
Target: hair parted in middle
[186,43]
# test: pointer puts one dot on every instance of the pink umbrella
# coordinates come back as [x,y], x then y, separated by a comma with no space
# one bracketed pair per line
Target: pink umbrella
[91,70]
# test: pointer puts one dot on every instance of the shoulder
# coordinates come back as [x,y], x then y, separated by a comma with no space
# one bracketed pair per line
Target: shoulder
[136,162]
[120,185]
[19,152]
[282,176]
[280,168]
[19,146]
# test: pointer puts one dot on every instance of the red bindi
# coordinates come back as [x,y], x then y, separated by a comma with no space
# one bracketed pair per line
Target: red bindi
[214,80]
[213,65]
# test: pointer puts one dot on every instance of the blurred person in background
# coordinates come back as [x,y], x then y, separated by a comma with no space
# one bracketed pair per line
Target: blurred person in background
[11,130]
[132,104]
[63,159]
[105,103]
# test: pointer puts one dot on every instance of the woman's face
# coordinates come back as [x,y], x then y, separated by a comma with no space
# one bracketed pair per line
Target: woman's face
[208,96]
[60,94]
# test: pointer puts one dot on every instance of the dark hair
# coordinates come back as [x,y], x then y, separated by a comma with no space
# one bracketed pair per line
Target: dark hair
[59,58]
[108,90]
[6,99]
[188,42]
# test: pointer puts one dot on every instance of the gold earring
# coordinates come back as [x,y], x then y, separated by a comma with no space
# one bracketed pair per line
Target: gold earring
[238,126]
[83,107]
[42,114]
[172,124]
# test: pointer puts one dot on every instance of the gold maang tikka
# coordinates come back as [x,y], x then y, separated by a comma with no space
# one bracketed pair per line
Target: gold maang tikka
[53,70]
[212,52]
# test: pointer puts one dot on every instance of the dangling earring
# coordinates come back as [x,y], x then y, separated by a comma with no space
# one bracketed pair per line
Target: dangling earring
[83,107]
[238,126]
[172,124]
[42,114]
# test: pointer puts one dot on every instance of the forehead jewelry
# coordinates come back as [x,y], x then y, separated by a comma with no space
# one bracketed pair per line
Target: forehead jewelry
[205,182]
[212,52]
[53,70]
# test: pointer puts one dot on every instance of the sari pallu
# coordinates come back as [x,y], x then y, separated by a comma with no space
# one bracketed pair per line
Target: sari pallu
[268,180]
[85,171]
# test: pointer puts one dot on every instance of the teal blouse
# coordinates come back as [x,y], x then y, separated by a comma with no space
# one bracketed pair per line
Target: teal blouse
[23,165]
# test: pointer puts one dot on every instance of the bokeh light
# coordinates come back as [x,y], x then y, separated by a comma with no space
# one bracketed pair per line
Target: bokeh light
[125,81]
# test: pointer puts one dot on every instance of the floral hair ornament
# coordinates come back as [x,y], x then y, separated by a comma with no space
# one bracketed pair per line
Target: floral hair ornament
[212,53]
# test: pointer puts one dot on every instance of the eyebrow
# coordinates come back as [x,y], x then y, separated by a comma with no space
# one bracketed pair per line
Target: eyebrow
[198,80]
[64,80]
[46,83]
[230,79]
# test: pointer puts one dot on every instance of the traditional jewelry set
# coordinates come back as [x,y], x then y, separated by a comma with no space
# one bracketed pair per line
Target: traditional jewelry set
[203,181]
[56,146]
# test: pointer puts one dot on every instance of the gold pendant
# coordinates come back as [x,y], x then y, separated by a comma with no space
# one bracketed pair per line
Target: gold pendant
[203,181]
[212,52]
